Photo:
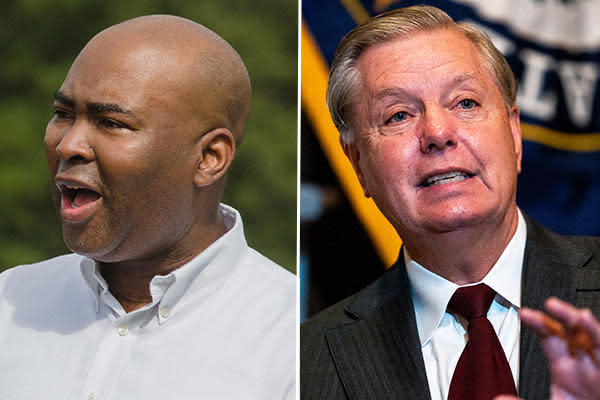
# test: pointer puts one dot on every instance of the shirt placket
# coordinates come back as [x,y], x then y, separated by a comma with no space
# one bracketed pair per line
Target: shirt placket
[111,357]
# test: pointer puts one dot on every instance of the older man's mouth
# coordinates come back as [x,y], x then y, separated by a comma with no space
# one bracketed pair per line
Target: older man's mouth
[449,177]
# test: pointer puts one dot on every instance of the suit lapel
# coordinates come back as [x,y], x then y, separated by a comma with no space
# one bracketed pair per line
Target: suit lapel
[549,269]
[379,355]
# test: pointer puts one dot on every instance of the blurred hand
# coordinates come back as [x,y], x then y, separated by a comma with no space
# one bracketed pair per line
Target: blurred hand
[571,340]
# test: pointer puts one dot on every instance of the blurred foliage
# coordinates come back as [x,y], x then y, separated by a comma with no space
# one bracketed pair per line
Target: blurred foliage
[39,42]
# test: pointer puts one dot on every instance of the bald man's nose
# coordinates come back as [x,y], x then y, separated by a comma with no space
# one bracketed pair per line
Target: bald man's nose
[74,143]
[438,131]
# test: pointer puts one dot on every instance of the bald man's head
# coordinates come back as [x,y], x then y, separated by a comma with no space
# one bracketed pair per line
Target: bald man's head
[145,128]
[206,72]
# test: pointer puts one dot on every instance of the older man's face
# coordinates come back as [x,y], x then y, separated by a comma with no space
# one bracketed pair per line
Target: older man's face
[435,146]
[118,150]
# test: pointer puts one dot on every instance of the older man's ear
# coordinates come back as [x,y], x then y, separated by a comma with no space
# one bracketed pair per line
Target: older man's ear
[353,155]
[515,128]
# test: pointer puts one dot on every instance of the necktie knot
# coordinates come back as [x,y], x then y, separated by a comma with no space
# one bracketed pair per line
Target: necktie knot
[472,301]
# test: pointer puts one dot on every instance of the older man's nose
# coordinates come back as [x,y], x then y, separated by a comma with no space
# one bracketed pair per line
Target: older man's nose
[438,131]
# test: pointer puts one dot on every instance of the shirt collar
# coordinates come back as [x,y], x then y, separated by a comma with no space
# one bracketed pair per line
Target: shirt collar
[431,292]
[191,282]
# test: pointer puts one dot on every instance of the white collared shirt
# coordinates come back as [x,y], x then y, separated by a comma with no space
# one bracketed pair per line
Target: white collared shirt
[443,335]
[220,327]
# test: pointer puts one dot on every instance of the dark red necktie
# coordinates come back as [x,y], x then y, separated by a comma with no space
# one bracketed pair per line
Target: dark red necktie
[482,371]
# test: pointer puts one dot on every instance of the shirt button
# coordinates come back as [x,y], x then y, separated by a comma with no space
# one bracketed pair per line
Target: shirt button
[165,312]
[92,396]
[122,330]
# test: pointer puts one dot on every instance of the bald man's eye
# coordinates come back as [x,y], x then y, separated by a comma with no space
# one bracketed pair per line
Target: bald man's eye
[61,114]
[111,124]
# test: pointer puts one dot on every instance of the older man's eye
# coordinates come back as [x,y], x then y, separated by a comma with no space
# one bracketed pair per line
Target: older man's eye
[467,104]
[398,117]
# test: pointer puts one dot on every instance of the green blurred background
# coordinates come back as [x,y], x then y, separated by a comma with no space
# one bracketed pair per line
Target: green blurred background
[40,40]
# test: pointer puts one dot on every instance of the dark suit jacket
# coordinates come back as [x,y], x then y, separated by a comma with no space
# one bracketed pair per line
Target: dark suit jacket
[367,346]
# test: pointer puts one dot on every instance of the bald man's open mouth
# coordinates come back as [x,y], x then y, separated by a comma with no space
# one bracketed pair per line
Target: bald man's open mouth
[78,200]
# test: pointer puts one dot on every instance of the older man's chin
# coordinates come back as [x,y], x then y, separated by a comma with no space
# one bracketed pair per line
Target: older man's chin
[455,222]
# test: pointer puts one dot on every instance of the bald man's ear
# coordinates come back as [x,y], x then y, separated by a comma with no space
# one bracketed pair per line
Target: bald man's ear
[215,153]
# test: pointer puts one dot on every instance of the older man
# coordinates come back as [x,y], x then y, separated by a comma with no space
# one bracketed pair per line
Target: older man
[164,299]
[427,117]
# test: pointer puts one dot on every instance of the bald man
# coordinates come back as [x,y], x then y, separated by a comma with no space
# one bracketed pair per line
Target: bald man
[162,298]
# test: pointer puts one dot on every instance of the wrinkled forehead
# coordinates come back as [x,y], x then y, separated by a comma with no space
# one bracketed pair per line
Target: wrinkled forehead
[419,59]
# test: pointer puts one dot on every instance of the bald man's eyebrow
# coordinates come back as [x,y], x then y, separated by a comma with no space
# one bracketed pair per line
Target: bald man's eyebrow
[99,108]
[93,108]
[63,99]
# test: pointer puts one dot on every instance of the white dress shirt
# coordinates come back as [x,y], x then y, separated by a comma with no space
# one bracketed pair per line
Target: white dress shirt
[220,327]
[443,335]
